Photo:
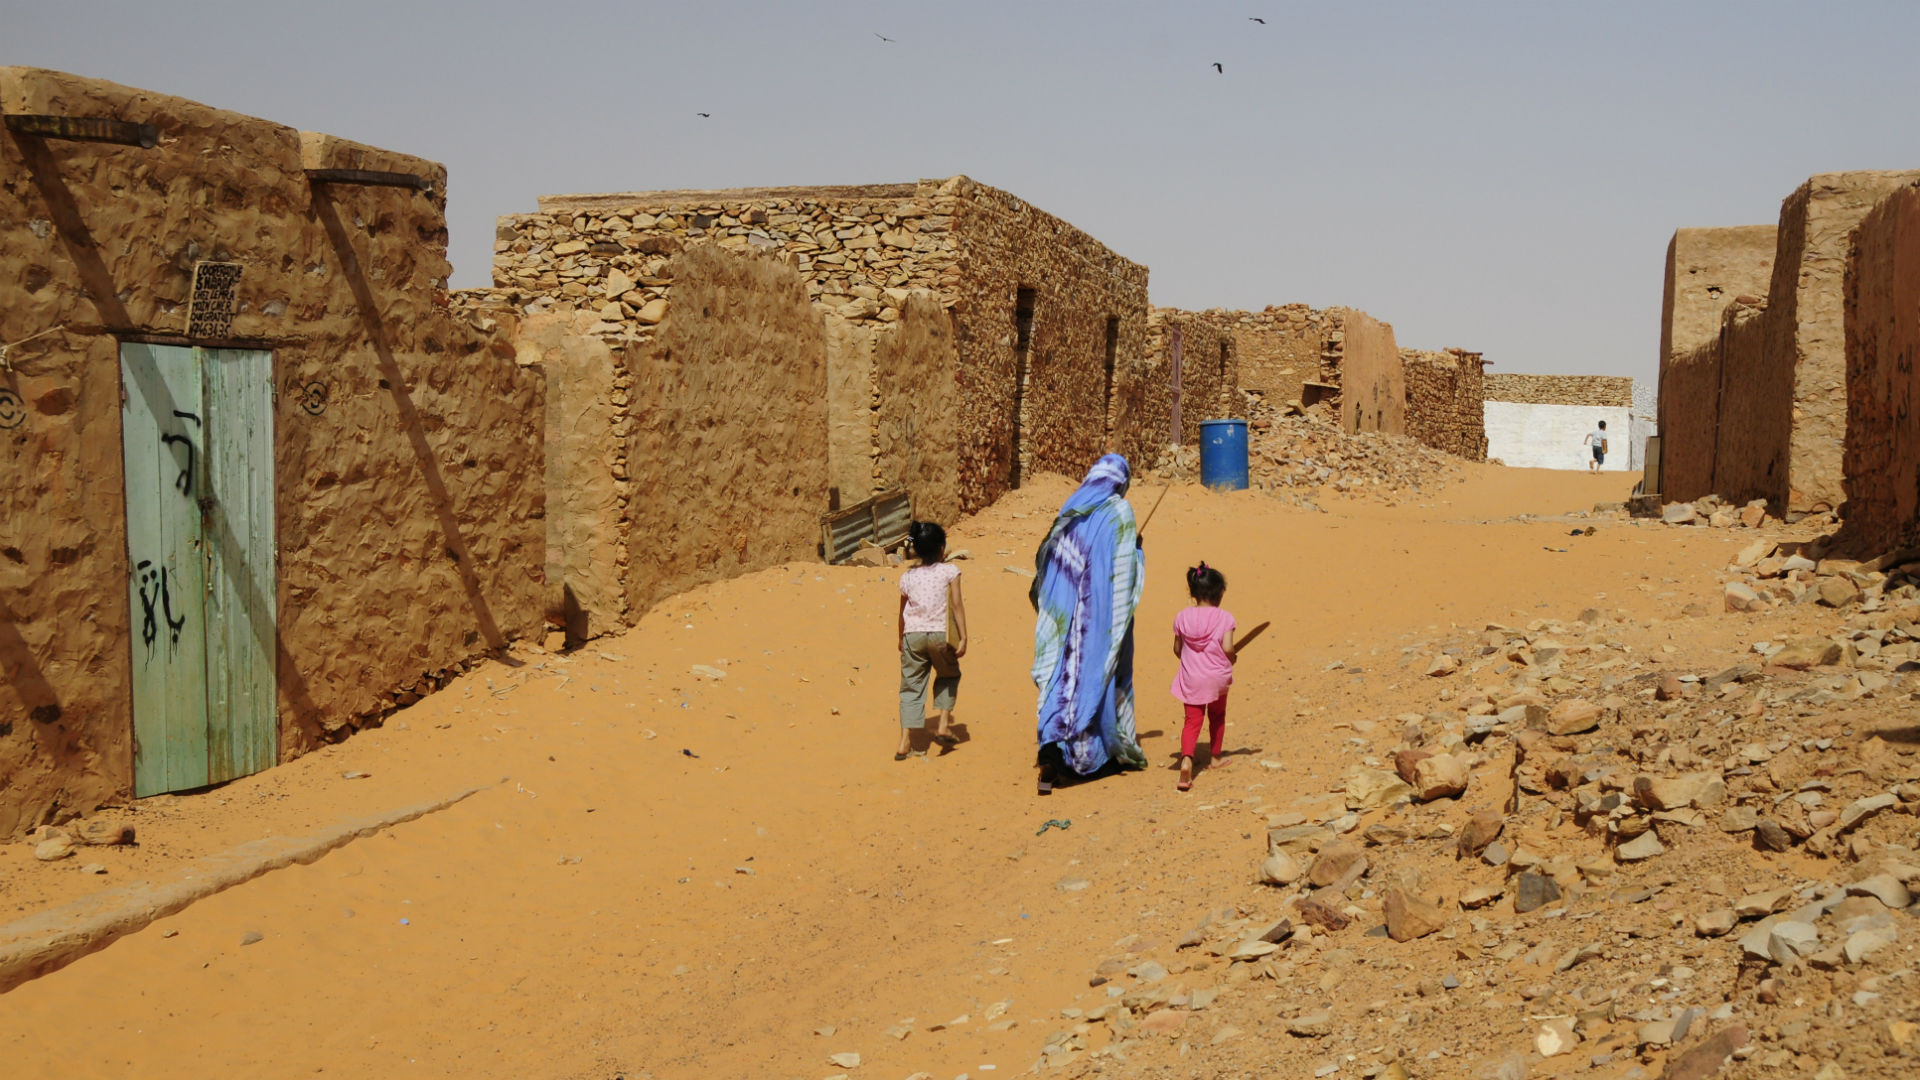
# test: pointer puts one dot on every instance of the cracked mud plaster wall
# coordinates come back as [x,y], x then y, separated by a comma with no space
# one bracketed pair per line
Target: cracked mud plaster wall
[1707,269]
[729,448]
[1747,448]
[916,411]
[1883,340]
[424,438]
[1805,366]
[588,490]
[1690,401]
[1373,386]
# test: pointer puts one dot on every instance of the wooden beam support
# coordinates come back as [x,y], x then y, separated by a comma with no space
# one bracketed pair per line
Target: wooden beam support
[84,129]
[369,178]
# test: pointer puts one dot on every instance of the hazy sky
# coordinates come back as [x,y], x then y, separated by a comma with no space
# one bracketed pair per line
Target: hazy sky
[1499,176]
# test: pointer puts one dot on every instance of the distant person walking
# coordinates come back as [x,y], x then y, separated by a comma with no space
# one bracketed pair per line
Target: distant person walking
[929,593]
[1597,438]
[1203,640]
[1088,575]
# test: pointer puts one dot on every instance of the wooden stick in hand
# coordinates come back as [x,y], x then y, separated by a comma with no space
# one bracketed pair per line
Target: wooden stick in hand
[1141,531]
[1251,634]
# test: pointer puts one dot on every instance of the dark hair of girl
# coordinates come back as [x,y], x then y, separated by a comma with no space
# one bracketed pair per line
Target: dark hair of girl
[929,541]
[1206,583]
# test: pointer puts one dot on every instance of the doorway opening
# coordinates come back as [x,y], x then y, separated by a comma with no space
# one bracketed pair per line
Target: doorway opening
[1022,370]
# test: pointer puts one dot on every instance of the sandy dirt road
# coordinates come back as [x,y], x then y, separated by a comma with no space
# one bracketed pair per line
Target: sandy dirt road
[677,876]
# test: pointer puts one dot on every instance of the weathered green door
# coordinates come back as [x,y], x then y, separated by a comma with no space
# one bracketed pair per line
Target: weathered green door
[197,436]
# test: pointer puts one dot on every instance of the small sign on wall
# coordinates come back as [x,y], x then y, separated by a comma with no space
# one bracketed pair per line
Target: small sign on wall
[216,293]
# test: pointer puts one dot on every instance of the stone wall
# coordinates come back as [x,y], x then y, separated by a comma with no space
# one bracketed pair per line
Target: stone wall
[1805,366]
[1882,346]
[406,444]
[1605,391]
[1748,445]
[916,442]
[1690,403]
[1032,394]
[728,454]
[1279,349]
[1707,269]
[1446,399]
[1205,382]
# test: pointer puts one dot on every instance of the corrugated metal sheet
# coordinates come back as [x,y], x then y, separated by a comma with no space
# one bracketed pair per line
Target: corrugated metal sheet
[881,520]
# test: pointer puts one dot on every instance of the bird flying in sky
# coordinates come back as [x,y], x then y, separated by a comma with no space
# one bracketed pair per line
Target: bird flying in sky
[1218,68]
[1258,19]
[703,114]
[883,37]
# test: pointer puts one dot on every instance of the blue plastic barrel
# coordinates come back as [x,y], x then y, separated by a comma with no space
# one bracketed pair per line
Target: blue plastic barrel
[1223,454]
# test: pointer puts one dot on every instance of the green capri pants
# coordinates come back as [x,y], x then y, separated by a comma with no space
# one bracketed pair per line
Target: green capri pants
[916,663]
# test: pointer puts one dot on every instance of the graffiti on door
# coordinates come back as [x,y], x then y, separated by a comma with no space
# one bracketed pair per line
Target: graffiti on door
[185,480]
[156,604]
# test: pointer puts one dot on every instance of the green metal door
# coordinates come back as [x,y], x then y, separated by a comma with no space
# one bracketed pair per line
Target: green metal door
[197,437]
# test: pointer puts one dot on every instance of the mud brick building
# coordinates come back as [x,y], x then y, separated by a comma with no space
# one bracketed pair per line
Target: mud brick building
[1714,423]
[1802,378]
[1539,421]
[1446,400]
[1339,355]
[1882,460]
[258,486]
[1029,323]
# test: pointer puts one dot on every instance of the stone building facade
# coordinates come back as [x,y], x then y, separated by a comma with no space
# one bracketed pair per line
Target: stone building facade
[1342,356]
[321,494]
[1714,434]
[1882,459]
[1196,377]
[1802,377]
[1707,269]
[1446,400]
[1039,311]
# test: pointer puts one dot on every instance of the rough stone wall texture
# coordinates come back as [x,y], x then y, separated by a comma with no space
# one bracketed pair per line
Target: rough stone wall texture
[915,426]
[1140,416]
[401,434]
[1690,400]
[1446,400]
[1209,381]
[588,490]
[1746,444]
[1882,345]
[861,252]
[729,448]
[1605,391]
[1373,385]
[1707,269]
[1805,365]
[1279,348]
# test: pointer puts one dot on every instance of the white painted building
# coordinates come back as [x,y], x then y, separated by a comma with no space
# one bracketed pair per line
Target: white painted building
[1554,436]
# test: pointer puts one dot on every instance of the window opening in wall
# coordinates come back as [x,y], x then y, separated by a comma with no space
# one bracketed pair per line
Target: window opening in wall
[1022,354]
[1113,349]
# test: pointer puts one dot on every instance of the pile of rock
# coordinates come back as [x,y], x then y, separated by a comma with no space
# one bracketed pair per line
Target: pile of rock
[1714,512]
[1303,456]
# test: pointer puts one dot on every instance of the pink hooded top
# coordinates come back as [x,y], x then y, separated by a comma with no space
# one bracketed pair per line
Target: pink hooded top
[1205,672]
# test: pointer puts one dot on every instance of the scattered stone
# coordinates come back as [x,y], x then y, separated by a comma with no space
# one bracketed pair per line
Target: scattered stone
[1279,868]
[1679,514]
[1480,896]
[1335,862]
[1319,913]
[1739,819]
[1861,809]
[1533,890]
[1701,789]
[1313,1025]
[1574,716]
[1885,888]
[1442,776]
[1163,1022]
[1556,1037]
[1370,789]
[1443,665]
[1482,829]
[1642,847]
[1740,597]
[1788,941]
[1715,923]
[1708,1057]
[54,849]
[844,1061]
[1838,591]
[252,937]
[1769,836]
[1801,654]
[1410,917]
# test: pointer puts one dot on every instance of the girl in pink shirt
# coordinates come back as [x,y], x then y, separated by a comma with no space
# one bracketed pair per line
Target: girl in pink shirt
[1203,640]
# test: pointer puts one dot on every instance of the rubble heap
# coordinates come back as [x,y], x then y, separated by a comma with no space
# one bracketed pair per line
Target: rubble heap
[1298,456]
[1582,852]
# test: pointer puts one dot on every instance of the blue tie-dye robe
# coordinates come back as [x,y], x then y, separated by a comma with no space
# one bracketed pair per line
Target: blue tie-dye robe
[1088,576]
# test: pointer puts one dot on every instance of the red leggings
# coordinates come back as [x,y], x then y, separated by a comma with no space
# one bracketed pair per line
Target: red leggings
[1216,715]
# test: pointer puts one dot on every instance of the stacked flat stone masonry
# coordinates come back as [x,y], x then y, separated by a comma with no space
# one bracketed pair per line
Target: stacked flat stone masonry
[1198,377]
[1343,356]
[1446,398]
[1605,391]
[1036,305]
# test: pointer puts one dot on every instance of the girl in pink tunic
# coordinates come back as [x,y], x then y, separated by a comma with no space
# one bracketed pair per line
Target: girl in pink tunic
[1203,640]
